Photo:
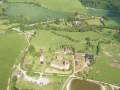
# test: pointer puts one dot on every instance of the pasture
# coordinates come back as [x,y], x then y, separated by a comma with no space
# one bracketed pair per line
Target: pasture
[113,22]
[59,5]
[103,12]
[104,69]
[35,12]
[12,45]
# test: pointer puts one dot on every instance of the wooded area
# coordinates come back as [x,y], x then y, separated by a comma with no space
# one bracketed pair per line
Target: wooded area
[103,4]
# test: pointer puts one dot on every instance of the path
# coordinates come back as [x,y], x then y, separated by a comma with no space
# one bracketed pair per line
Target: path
[85,65]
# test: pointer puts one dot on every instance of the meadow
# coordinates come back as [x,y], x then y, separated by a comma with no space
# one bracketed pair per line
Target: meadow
[113,22]
[50,40]
[55,84]
[103,70]
[103,12]
[59,5]
[12,45]
[35,12]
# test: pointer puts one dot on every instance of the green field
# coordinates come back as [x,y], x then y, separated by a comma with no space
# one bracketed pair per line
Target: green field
[113,22]
[102,69]
[55,84]
[12,45]
[35,12]
[59,5]
[103,12]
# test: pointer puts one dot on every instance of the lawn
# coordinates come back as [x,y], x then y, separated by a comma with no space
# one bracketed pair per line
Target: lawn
[103,12]
[12,45]
[55,84]
[59,5]
[113,22]
[35,12]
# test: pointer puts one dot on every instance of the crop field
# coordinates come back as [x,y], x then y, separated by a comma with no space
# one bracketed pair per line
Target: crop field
[113,22]
[11,46]
[106,67]
[103,12]
[59,5]
[35,12]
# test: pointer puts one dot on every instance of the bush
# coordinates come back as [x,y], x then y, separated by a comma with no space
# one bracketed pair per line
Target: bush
[31,48]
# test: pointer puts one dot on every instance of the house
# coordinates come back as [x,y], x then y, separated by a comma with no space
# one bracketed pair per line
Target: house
[68,50]
[65,51]
[89,58]
[80,54]
[18,74]
[77,22]
[61,51]
[59,58]
[0,1]
[31,32]
[42,59]
[60,65]
[16,28]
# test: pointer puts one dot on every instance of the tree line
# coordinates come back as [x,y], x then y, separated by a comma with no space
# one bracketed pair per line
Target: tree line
[103,4]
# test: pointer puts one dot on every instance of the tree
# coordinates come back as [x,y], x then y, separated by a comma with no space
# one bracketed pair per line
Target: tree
[69,19]
[76,13]
[87,39]
[31,48]
[57,21]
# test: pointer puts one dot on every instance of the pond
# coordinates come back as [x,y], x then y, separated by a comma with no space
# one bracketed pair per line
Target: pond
[77,84]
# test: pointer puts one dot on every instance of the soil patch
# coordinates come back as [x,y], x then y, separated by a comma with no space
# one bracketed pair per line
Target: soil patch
[107,53]
[115,65]
[119,54]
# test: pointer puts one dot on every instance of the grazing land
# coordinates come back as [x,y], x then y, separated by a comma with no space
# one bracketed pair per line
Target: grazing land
[103,12]
[59,5]
[35,12]
[12,45]
[113,22]
[103,70]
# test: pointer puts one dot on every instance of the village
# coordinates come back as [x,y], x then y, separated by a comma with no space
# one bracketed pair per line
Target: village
[63,61]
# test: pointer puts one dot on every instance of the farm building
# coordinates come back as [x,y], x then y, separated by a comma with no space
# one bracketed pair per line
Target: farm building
[31,32]
[18,74]
[60,65]
[42,59]
[89,58]
[80,54]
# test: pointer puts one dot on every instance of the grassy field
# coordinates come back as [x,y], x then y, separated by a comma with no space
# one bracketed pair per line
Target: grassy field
[59,5]
[49,40]
[11,46]
[113,22]
[103,12]
[103,69]
[55,84]
[35,12]
[94,22]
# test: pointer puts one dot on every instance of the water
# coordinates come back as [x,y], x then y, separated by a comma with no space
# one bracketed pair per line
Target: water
[77,84]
